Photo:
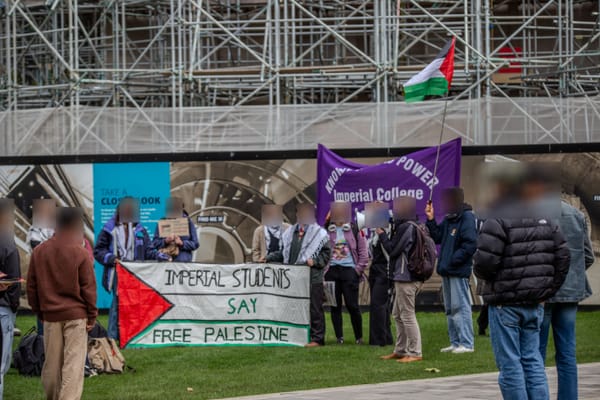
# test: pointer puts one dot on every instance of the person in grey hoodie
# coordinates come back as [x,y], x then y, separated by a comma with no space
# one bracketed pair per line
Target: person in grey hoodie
[560,311]
[406,286]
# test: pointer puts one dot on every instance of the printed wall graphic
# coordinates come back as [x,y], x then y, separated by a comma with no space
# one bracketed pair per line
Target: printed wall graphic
[224,198]
[147,182]
[176,304]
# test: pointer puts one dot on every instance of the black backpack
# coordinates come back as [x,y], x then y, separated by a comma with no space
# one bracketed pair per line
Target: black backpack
[423,257]
[28,358]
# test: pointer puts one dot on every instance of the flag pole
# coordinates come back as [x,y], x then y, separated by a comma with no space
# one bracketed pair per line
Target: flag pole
[437,155]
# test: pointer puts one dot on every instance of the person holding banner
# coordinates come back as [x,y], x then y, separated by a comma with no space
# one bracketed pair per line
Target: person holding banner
[122,238]
[406,286]
[267,237]
[181,243]
[457,237]
[349,259]
[306,243]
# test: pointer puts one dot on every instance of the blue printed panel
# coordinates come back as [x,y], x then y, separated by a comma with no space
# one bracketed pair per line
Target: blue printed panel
[148,182]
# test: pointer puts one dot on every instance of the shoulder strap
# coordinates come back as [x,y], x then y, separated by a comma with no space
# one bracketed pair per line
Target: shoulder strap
[355,231]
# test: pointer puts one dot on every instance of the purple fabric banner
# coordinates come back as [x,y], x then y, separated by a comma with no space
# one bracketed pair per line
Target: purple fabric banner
[408,175]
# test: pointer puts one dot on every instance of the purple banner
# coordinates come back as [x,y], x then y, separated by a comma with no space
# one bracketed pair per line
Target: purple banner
[408,175]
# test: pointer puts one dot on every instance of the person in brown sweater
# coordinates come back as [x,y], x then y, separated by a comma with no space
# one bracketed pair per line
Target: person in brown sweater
[61,290]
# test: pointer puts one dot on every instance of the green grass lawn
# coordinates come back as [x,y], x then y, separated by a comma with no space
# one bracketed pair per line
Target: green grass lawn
[229,371]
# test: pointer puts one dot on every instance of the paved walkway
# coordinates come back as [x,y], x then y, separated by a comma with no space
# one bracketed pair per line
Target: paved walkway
[465,387]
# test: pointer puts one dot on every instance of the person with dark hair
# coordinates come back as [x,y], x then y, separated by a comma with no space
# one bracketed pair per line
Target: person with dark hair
[380,284]
[522,260]
[10,268]
[122,238]
[406,285]
[306,243]
[178,248]
[61,290]
[457,237]
[349,259]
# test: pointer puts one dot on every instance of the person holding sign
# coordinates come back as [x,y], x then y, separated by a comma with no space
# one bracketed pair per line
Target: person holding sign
[10,270]
[406,285]
[267,237]
[380,333]
[349,259]
[306,243]
[122,238]
[457,237]
[176,234]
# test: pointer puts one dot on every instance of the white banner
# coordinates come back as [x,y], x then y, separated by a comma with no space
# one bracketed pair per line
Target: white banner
[188,304]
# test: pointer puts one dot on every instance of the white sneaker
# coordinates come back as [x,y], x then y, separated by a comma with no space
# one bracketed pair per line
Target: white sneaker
[462,350]
[449,349]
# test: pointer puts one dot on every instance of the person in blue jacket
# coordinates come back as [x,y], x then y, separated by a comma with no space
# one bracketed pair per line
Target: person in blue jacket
[457,237]
[179,248]
[122,238]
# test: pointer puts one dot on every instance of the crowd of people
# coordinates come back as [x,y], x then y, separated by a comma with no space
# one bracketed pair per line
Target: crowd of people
[529,253]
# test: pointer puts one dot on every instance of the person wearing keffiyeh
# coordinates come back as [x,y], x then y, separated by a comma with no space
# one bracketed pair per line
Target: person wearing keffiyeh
[307,243]
[122,238]
[267,237]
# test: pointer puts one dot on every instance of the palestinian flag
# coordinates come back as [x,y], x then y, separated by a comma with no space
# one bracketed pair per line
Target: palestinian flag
[435,78]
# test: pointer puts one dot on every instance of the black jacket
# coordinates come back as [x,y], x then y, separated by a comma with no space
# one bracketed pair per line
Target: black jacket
[520,261]
[401,243]
[10,264]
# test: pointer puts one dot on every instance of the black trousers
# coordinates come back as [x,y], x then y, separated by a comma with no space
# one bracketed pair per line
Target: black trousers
[483,319]
[346,284]
[380,332]
[317,314]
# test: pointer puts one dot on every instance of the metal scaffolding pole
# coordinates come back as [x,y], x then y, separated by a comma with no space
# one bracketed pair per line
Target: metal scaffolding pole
[187,70]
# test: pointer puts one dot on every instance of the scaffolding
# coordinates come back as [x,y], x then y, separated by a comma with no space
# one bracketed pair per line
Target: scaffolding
[189,75]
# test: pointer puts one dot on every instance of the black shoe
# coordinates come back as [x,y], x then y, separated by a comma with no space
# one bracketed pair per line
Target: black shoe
[340,340]
[481,331]
[359,341]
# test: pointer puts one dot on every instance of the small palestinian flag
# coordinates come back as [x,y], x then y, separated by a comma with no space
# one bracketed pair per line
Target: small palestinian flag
[435,78]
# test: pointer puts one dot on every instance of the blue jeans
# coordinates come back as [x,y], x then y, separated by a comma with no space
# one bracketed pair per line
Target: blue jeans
[562,317]
[515,334]
[113,317]
[457,303]
[7,320]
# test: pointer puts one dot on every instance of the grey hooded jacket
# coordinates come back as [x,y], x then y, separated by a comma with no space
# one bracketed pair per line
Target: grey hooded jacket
[574,228]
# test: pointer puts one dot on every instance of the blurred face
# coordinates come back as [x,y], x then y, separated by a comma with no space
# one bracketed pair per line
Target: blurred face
[534,190]
[74,231]
[44,213]
[7,216]
[128,211]
[405,207]
[7,222]
[174,207]
[377,215]
[272,215]
[341,213]
[450,202]
[305,214]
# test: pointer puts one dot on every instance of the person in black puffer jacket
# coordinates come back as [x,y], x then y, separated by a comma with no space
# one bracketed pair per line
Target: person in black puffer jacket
[522,259]
[520,262]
